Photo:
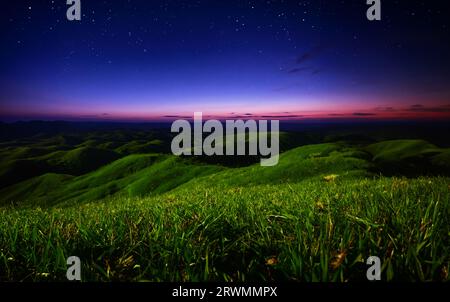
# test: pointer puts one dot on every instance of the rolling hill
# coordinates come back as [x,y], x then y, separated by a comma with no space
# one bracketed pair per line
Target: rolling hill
[88,174]
[133,175]
[409,157]
[73,162]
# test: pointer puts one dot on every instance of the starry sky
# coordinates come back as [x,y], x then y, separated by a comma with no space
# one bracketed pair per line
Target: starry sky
[136,60]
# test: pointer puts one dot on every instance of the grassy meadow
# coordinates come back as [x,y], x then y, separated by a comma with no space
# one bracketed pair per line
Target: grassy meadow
[133,212]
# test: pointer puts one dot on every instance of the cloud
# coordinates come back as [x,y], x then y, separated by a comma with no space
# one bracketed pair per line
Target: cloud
[267,116]
[299,69]
[282,116]
[385,109]
[303,58]
[363,114]
[239,116]
[177,116]
[423,108]
[416,108]
[307,56]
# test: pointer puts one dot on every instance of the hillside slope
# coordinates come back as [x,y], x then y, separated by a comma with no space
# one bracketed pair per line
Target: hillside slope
[321,161]
[133,175]
[73,162]
[410,157]
[150,174]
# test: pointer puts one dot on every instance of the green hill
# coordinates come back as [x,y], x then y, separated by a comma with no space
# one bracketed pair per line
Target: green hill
[36,188]
[410,157]
[395,150]
[73,162]
[142,146]
[101,172]
[134,175]
[142,174]
[442,160]
[80,160]
[14,171]
[311,161]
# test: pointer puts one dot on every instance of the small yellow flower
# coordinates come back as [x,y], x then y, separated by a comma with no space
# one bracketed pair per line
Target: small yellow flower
[44,274]
[330,178]
[320,206]
[271,261]
[444,273]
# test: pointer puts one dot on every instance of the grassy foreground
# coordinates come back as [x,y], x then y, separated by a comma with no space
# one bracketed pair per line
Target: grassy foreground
[313,230]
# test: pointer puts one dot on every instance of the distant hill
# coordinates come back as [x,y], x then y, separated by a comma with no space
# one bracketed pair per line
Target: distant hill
[134,175]
[30,191]
[299,164]
[410,157]
[80,160]
[73,162]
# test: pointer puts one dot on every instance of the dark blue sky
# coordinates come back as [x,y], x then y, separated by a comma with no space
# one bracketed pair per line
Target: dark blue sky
[145,60]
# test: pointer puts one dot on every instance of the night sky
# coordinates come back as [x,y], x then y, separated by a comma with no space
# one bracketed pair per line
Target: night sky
[161,60]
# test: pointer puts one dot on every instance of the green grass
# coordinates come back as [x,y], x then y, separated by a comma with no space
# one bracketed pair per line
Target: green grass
[309,231]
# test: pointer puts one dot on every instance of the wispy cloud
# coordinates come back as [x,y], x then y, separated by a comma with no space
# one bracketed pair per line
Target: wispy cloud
[177,116]
[363,114]
[307,56]
[423,108]
[303,64]
[299,69]
[282,116]
[336,114]
[385,109]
